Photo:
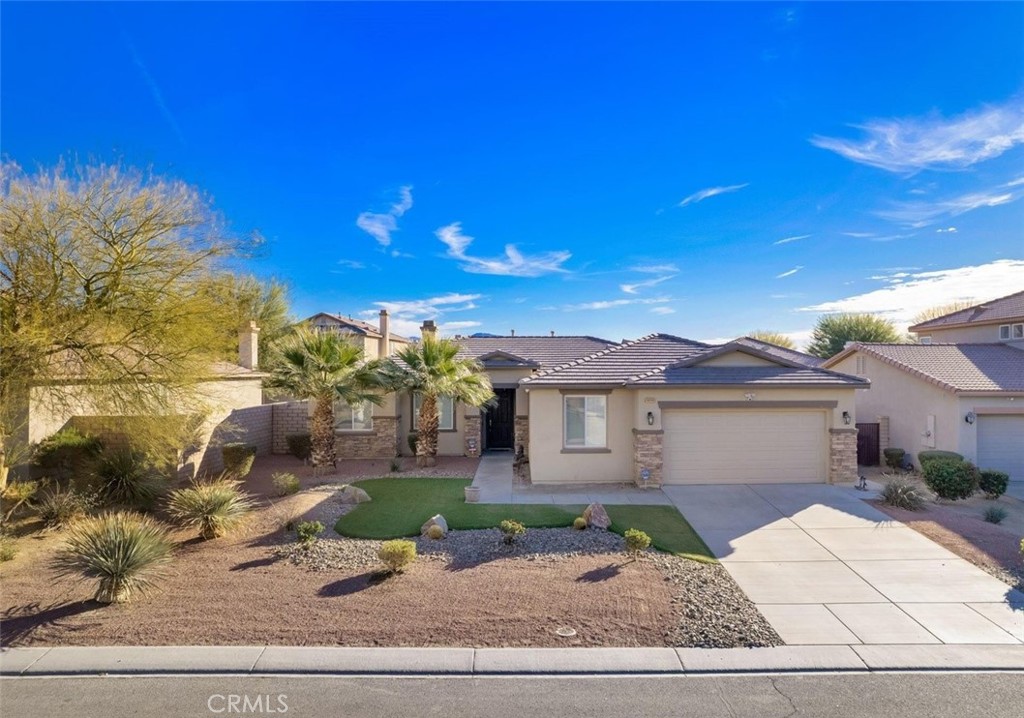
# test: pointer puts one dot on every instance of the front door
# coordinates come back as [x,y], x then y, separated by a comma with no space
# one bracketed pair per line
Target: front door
[501,420]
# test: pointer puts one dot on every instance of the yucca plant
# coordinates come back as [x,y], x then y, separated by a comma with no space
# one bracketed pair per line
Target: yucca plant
[127,477]
[59,508]
[127,552]
[215,508]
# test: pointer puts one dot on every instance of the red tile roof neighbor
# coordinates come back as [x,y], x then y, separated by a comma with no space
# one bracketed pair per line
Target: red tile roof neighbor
[1010,308]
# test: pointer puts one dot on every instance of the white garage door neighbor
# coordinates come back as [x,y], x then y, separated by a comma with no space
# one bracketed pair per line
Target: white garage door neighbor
[1001,444]
[744,446]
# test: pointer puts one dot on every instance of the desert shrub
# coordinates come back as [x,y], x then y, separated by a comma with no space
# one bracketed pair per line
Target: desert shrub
[300,445]
[994,514]
[125,551]
[993,482]
[951,478]
[903,494]
[923,457]
[128,477]
[395,466]
[307,531]
[285,483]
[397,554]
[17,494]
[66,454]
[894,458]
[59,508]
[636,542]
[579,523]
[8,549]
[238,459]
[215,508]
[510,529]
[435,532]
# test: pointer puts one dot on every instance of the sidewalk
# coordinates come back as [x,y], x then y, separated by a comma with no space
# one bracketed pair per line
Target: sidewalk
[275,660]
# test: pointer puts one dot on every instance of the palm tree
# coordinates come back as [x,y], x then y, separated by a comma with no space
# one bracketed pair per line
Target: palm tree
[324,367]
[433,369]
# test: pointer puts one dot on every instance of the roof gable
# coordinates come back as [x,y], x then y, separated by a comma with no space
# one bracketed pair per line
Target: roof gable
[738,347]
[499,358]
[1004,309]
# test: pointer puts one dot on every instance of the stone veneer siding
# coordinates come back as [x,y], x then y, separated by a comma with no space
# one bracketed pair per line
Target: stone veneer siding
[471,438]
[522,434]
[647,454]
[842,455]
[290,417]
[379,443]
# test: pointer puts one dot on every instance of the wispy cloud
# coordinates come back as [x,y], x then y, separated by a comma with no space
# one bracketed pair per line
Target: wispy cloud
[663,311]
[607,304]
[635,287]
[859,235]
[513,264]
[408,314]
[921,214]
[933,142]
[380,225]
[667,268]
[906,294]
[351,264]
[787,240]
[704,194]
[946,230]
[154,89]
[789,273]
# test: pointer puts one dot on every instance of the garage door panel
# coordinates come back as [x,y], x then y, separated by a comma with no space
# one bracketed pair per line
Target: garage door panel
[744,446]
[1001,444]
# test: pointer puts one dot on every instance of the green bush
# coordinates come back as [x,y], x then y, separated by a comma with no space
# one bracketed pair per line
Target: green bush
[285,483]
[923,457]
[66,454]
[435,532]
[215,508]
[894,458]
[238,459]
[636,542]
[307,531]
[17,494]
[412,441]
[127,477]
[579,523]
[59,508]
[300,445]
[125,551]
[903,494]
[995,514]
[993,482]
[510,529]
[395,467]
[397,554]
[8,549]
[951,478]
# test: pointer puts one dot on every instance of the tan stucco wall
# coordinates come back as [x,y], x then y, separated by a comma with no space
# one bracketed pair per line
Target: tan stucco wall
[968,441]
[964,335]
[737,359]
[449,443]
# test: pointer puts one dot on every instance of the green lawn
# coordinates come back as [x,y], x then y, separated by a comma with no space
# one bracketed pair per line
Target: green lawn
[400,506]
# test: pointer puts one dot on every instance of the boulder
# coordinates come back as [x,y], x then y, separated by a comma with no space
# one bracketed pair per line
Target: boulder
[437,520]
[352,495]
[596,516]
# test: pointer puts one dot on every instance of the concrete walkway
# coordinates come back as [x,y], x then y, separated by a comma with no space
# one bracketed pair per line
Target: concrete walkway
[824,567]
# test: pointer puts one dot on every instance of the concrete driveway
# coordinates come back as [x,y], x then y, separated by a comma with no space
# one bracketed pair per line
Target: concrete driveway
[824,567]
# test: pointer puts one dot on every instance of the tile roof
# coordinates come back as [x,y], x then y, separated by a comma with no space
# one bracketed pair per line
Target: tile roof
[1005,308]
[753,375]
[782,352]
[954,367]
[545,351]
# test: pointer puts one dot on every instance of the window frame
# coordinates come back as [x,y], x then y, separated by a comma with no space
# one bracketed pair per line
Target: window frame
[415,415]
[1016,332]
[584,447]
[1009,332]
[351,429]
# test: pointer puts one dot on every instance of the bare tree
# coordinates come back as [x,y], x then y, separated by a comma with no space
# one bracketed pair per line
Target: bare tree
[940,310]
[776,338]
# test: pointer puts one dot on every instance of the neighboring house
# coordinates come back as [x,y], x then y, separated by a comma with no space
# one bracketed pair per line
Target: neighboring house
[1000,320]
[375,341]
[967,398]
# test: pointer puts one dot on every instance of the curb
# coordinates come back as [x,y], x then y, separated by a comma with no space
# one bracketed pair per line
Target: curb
[285,660]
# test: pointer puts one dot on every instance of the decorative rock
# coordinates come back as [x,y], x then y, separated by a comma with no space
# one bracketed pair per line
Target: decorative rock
[596,516]
[349,494]
[437,520]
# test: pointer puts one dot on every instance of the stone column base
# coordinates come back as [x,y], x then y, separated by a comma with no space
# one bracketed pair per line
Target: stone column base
[471,436]
[522,434]
[842,462]
[647,455]
[381,442]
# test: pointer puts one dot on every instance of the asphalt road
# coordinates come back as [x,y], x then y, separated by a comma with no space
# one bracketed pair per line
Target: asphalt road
[931,695]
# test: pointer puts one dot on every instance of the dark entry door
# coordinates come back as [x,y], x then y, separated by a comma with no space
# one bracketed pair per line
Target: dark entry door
[867,444]
[501,420]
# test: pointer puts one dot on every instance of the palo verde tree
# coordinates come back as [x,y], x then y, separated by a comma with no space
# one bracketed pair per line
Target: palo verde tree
[776,338]
[247,298]
[833,331]
[101,276]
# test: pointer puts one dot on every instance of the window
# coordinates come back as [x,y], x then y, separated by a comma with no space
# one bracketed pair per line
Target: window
[861,365]
[445,413]
[1018,331]
[586,419]
[1004,331]
[353,418]
[926,340]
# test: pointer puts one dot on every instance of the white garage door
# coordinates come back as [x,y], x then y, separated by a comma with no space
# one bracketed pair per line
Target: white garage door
[744,446]
[1001,444]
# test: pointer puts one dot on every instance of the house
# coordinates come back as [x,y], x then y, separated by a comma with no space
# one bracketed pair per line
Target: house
[1000,320]
[965,397]
[375,341]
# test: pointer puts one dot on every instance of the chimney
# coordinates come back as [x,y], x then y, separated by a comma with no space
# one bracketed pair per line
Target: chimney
[428,329]
[249,346]
[385,334]
[552,332]
[513,332]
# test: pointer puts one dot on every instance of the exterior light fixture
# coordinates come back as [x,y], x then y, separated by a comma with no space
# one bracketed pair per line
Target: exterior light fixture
[847,418]
[971,416]
[650,418]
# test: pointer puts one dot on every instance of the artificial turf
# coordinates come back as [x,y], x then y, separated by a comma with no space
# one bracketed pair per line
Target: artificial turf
[400,506]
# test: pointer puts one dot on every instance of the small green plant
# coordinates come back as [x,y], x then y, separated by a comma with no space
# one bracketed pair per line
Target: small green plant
[308,531]
[435,533]
[125,551]
[510,530]
[66,454]
[923,457]
[17,494]
[396,467]
[8,549]
[238,459]
[903,494]
[128,478]
[285,483]
[894,458]
[636,542]
[579,523]
[300,445]
[995,514]
[59,508]
[215,508]
[951,478]
[993,483]
[397,554]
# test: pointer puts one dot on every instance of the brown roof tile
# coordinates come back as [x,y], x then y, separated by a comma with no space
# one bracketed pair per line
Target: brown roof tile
[1009,308]
[955,367]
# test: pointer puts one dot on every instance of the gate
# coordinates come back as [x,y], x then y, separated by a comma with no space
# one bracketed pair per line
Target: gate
[867,445]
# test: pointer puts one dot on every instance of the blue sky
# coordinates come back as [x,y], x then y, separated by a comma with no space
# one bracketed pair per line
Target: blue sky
[609,169]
